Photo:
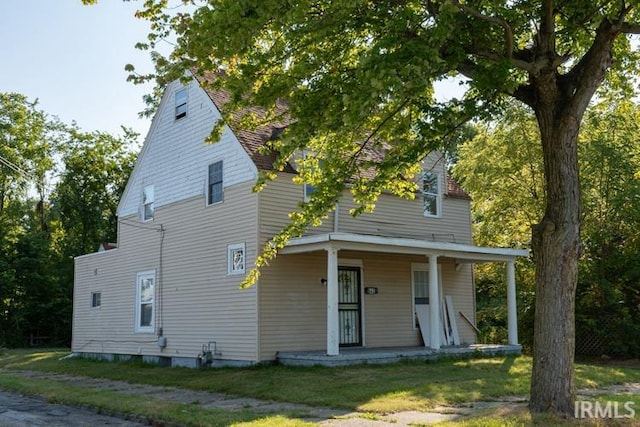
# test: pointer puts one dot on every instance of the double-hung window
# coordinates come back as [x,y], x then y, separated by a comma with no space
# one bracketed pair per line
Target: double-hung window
[214,183]
[181,103]
[431,194]
[145,297]
[147,203]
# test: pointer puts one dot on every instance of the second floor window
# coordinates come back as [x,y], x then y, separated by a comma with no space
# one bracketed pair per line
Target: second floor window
[147,203]
[431,194]
[310,189]
[181,103]
[214,183]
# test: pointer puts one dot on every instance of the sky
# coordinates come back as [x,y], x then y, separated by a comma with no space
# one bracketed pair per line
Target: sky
[72,57]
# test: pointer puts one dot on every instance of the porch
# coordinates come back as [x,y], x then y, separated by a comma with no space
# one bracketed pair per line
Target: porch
[358,356]
[431,317]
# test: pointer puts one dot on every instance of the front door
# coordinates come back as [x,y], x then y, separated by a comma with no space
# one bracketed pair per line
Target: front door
[349,307]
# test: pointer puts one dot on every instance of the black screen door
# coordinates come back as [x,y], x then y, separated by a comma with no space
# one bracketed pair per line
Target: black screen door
[349,307]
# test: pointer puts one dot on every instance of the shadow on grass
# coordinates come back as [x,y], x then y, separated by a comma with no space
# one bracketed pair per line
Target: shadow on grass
[369,388]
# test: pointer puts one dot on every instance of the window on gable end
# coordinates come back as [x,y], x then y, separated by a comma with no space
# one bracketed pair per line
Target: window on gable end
[431,194]
[147,203]
[96,299]
[181,103]
[215,191]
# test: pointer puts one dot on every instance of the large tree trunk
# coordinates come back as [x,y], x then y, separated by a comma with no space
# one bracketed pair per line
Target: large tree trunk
[556,249]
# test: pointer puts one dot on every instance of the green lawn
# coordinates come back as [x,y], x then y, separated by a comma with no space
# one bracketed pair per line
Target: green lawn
[365,388]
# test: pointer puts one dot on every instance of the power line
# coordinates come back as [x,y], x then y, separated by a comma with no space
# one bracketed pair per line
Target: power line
[13,166]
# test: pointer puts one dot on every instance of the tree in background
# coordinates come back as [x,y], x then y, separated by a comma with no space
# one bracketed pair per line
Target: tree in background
[609,289]
[28,139]
[358,76]
[40,234]
[96,169]
[502,170]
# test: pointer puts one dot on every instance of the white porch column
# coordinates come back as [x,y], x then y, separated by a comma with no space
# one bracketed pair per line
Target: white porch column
[333,323]
[434,304]
[512,317]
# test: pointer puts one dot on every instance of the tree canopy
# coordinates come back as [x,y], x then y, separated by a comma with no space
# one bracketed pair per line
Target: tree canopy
[358,75]
[59,188]
[502,169]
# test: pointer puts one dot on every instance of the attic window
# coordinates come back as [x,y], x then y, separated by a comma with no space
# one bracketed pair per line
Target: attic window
[214,183]
[181,103]
[96,299]
[147,203]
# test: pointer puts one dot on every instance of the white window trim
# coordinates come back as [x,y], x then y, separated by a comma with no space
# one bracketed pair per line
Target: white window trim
[306,194]
[186,103]
[207,183]
[95,307]
[421,267]
[306,185]
[145,329]
[152,203]
[230,249]
[438,196]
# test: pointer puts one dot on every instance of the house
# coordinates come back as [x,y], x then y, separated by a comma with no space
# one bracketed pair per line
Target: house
[190,228]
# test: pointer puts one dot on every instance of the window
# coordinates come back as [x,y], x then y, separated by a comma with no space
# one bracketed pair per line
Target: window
[310,189]
[431,193]
[145,290]
[147,203]
[420,290]
[181,103]
[214,183]
[96,298]
[420,287]
[236,258]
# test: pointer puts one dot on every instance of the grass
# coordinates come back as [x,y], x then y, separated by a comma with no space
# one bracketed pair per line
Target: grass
[371,389]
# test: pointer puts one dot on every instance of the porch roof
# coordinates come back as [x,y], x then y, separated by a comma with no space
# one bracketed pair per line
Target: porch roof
[372,243]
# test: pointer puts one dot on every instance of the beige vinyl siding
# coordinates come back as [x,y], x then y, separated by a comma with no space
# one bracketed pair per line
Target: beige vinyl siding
[195,300]
[397,217]
[388,316]
[279,198]
[393,216]
[293,301]
[293,304]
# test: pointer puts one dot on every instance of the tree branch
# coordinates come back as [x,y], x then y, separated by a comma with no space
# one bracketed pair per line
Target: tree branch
[628,28]
[508,33]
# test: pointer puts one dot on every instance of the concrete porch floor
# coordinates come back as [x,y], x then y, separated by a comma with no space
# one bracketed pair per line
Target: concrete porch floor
[362,355]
